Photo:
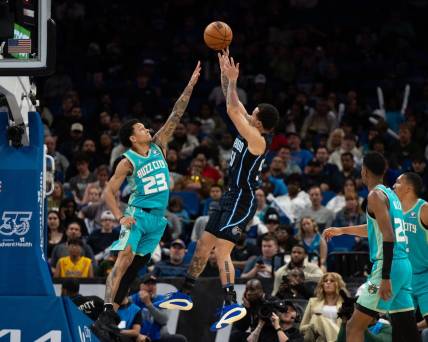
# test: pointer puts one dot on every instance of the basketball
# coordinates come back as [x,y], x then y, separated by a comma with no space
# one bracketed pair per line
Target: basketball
[218,35]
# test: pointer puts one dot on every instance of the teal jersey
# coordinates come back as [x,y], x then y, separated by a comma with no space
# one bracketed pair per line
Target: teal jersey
[150,179]
[417,236]
[375,235]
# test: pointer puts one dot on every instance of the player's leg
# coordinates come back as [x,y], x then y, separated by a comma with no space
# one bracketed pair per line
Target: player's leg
[404,327]
[231,311]
[358,324]
[420,297]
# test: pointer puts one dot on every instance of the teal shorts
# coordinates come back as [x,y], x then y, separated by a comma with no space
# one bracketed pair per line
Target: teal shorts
[420,292]
[144,235]
[401,280]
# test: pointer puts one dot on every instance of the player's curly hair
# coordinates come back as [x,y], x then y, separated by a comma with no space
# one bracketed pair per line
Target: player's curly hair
[126,131]
[268,115]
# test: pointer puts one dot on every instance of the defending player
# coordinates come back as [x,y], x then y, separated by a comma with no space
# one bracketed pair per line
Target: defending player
[143,221]
[408,187]
[238,204]
[388,288]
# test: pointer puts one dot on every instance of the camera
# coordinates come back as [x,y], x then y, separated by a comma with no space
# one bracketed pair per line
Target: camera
[270,306]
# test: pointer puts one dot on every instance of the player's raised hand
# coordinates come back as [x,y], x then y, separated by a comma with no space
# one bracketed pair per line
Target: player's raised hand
[195,75]
[230,69]
[385,289]
[331,232]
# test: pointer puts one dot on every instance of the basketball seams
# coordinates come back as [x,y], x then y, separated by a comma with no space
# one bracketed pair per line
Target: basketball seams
[218,35]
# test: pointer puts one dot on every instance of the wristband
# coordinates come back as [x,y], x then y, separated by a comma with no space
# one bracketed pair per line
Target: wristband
[388,251]
[279,329]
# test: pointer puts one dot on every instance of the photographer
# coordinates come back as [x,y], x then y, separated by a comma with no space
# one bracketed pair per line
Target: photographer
[293,286]
[276,323]
[252,300]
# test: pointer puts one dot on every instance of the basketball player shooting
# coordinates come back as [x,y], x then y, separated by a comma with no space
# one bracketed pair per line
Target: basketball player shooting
[238,204]
[143,222]
[388,288]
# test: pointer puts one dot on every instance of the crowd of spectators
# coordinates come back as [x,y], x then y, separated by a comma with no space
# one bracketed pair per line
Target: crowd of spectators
[311,59]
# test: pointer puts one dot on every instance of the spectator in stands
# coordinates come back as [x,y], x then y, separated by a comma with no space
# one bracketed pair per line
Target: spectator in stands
[57,196]
[314,176]
[322,216]
[71,146]
[271,184]
[72,232]
[330,172]
[101,239]
[175,266]
[90,149]
[320,121]
[61,162]
[74,265]
[92,306]
[337,203]
[208,171]
[271,221]
[262,205]
[213,200]
[102,173]
[335,140]
[314,243]
[296,200]
[225,149]
[277,168]
[286,240]
[130,322]
[106,265]
[261,266]
[68,213]
[320,321]
[184,142]
[300,156]
[293,286]
[419,166]
[252,299]
[194,180]
[242,252]
[298,260]
[92,194]
[290,166]
[154,320]
[348,166]
[79,182]
[55,231]
[211,268]
[176,206]
[348,145]
[406,148]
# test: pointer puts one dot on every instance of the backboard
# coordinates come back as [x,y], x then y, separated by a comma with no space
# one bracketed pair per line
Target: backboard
[27,38]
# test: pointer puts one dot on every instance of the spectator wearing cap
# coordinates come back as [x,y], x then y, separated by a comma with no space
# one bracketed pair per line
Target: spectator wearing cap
[296,200]
[260,93]
[320,121]
[71,145]
[101,239]
[300,156]
[322,216]
[290,167]
[349,144]
[154,320]
[271,221]
[84,176]
[261,266]
[175,266]
[74,265]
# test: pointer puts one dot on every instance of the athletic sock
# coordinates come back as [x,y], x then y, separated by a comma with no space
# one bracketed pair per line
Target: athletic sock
[108,307]
[189,284]
[229,294]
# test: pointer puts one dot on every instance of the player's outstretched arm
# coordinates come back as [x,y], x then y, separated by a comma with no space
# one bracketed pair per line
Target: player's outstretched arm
[360,230]
[163,136]
[256,142]
[123,169]
[225,80]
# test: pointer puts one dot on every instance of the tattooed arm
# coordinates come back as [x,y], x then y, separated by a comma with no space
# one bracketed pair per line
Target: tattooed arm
[225,81]
[163,136]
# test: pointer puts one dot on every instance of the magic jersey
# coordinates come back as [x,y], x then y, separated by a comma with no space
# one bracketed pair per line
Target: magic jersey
[244,167]
[417,235]
[149,180]
[375,235]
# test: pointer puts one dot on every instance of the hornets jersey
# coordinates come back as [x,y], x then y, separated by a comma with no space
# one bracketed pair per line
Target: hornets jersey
[149,180]
[397,221]
[417,235]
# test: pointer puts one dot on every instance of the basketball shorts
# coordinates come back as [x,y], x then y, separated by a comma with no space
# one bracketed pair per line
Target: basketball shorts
[144,235]
[420,292]
[401,280]
[228,220]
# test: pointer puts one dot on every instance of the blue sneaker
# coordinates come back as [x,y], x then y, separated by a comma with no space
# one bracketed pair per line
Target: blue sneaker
[228,315]
[174,300]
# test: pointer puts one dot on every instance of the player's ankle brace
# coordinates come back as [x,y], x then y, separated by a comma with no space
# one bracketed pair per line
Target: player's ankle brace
[188,285]
[108,306]
[229,294]
[129,276]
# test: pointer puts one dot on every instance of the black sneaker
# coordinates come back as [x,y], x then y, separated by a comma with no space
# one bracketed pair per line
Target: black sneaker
[105,327]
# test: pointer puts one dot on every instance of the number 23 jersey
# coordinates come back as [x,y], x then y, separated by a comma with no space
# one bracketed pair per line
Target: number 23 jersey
[150,179]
